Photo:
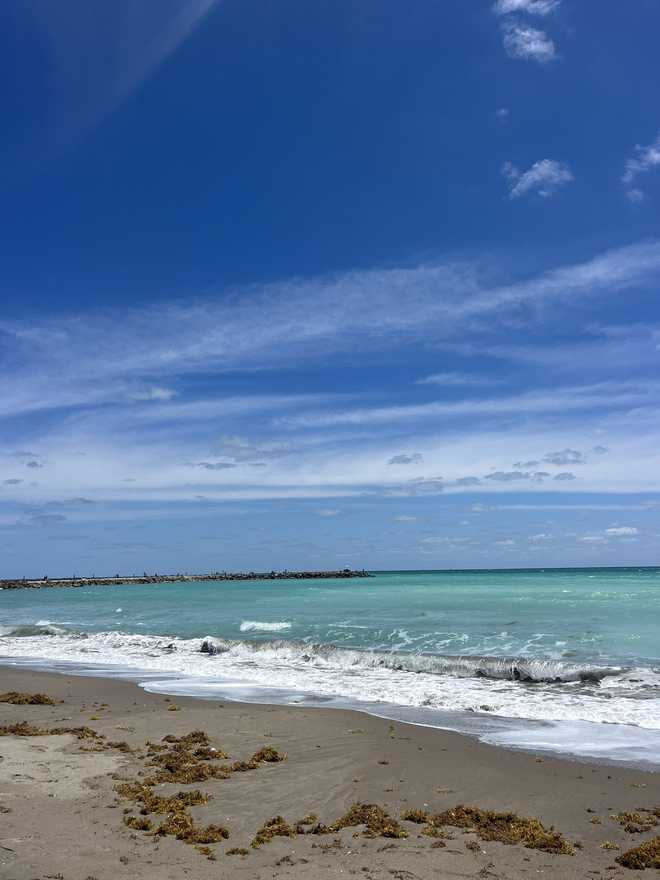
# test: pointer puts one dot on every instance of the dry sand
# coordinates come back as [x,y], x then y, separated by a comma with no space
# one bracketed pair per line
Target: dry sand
[60,816]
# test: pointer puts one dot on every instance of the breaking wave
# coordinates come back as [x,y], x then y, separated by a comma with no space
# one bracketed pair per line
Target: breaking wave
[42,628]
[513,688]
[503,668]
[261,626]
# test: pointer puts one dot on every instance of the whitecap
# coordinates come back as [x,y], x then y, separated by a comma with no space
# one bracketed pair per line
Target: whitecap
[264,626]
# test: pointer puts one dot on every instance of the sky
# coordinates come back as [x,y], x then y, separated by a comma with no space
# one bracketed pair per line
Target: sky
[305,285]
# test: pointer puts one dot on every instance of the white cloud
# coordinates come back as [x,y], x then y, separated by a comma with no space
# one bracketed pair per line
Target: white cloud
[444,539]
[215,465]
[621,531]
[154,441]
[565,456]
[613,532]
[643,160]
[527,43]
[532,7]
[279,324]
[241,449]
[404,458]
[405,518]
[152,394]
[328,512]
[635,195]
[456,379]
[545,178]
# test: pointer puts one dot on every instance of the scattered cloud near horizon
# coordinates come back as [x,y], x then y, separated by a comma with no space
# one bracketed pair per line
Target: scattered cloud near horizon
[404,458]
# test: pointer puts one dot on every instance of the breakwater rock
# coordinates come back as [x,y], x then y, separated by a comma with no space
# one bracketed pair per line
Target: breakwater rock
[35,584]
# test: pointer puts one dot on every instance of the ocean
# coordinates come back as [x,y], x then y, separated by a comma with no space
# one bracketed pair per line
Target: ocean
[558,660]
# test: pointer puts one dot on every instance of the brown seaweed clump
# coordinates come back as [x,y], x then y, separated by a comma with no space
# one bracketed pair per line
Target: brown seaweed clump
[419,817]
[120,746]
[275,827]
[238,851]
[20,699]
[188,759]
[267,755]
[179,823]
[646,855]
[79,732]
[638,821]
[377,821]
[139,823]
[154,803]
[185,760]
[507,828]
[243,766]
[24,728]
[188,740]
[206,851]
[208,753]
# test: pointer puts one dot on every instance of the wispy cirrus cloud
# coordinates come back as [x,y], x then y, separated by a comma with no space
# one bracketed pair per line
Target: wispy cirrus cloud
[457,379]
[272,326]
[644,159]
[578,398]
[527,43]
[622,531]
[532,7]
[544,178]
[107,416]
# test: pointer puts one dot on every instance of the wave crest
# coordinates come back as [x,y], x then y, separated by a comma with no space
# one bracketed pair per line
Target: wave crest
[264,626]
[521,669]
[26,630]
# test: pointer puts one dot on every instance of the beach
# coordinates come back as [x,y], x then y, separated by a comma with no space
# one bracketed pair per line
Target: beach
[63,817]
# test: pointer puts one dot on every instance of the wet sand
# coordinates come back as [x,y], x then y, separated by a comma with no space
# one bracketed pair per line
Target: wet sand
[61,817]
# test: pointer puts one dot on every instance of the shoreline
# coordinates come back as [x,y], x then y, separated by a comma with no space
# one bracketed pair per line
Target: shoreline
[614,744]
[536,737]
[46,582]
[57,788]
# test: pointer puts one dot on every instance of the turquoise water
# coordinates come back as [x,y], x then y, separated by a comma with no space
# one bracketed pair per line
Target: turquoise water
[550,646]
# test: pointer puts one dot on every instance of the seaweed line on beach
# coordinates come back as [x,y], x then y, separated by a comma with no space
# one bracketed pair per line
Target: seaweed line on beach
[185,760]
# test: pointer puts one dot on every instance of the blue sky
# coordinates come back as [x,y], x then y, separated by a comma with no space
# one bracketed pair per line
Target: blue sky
[294,284]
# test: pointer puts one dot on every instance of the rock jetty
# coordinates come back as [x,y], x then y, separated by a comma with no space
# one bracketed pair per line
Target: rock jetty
[35,584]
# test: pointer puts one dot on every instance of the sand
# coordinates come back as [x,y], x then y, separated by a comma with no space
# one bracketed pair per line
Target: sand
[60,816]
